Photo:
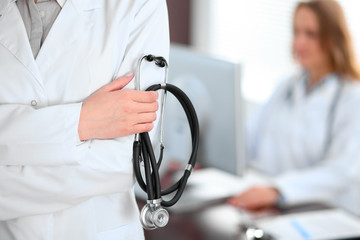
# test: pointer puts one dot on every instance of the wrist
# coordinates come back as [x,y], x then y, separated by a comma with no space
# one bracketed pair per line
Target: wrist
[83,128]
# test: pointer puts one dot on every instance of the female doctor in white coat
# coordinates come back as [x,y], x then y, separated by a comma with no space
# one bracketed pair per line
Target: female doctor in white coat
[67,119]
[307,137]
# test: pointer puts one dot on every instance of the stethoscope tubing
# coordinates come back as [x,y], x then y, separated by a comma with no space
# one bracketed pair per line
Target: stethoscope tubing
[142,147]
[152,185]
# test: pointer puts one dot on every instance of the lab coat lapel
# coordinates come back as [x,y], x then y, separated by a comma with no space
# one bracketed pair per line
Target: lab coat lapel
[13,36]
[73,20]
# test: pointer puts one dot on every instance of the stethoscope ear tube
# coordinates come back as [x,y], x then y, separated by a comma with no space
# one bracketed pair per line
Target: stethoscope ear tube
[142,151]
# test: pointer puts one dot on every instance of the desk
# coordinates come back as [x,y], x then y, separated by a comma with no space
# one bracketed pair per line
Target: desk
[215,220]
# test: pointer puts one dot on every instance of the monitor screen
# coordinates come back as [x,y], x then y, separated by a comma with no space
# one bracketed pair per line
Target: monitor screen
[214,87]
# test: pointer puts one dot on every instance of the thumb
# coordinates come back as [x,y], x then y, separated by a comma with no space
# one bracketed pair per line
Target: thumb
[119,83]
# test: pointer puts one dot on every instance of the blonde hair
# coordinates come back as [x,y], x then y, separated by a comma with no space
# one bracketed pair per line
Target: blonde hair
[335,36]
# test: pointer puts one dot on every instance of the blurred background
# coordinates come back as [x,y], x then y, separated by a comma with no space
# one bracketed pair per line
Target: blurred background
[228,56]
[257,33]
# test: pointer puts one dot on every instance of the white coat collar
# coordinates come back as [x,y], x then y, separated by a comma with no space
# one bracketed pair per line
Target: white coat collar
[3,6]
[71,23]
[61,2]
[80,4]
[4,3]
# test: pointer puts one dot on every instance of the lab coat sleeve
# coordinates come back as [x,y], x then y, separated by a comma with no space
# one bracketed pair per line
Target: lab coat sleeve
[27,189]
[45,136]
[340,168]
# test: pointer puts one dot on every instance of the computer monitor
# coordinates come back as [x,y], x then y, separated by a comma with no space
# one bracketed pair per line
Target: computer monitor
[213,86]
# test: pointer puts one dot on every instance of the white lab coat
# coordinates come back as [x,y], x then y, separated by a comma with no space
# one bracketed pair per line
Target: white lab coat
[52,187]
[288,138]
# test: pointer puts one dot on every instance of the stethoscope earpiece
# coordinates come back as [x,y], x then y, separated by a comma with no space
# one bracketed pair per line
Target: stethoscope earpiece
[149,58]
[160,61]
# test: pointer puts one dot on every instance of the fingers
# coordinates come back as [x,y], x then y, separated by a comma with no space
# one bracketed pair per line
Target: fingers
[237,201]
[139,128]
[136,107]
[146,118]
[255,198]
[124,100]
[144,96]
[114,112]
[143,127]
[119,83]
[144,123]
[246,203]
[138,96]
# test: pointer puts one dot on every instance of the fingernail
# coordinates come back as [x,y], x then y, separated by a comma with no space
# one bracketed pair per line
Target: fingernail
[130,74]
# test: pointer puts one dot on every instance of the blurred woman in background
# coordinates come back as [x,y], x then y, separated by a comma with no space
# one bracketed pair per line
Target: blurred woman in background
[307,137]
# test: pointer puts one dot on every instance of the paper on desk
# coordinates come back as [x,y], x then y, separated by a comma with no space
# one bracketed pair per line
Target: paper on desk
[208,185]
[221,184]
[319,225]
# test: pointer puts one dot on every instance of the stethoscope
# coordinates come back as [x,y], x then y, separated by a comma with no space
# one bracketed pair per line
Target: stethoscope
[287,99]
[332,109]
[153,215]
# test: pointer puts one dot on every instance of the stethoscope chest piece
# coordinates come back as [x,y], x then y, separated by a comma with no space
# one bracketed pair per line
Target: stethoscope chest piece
[153,216]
